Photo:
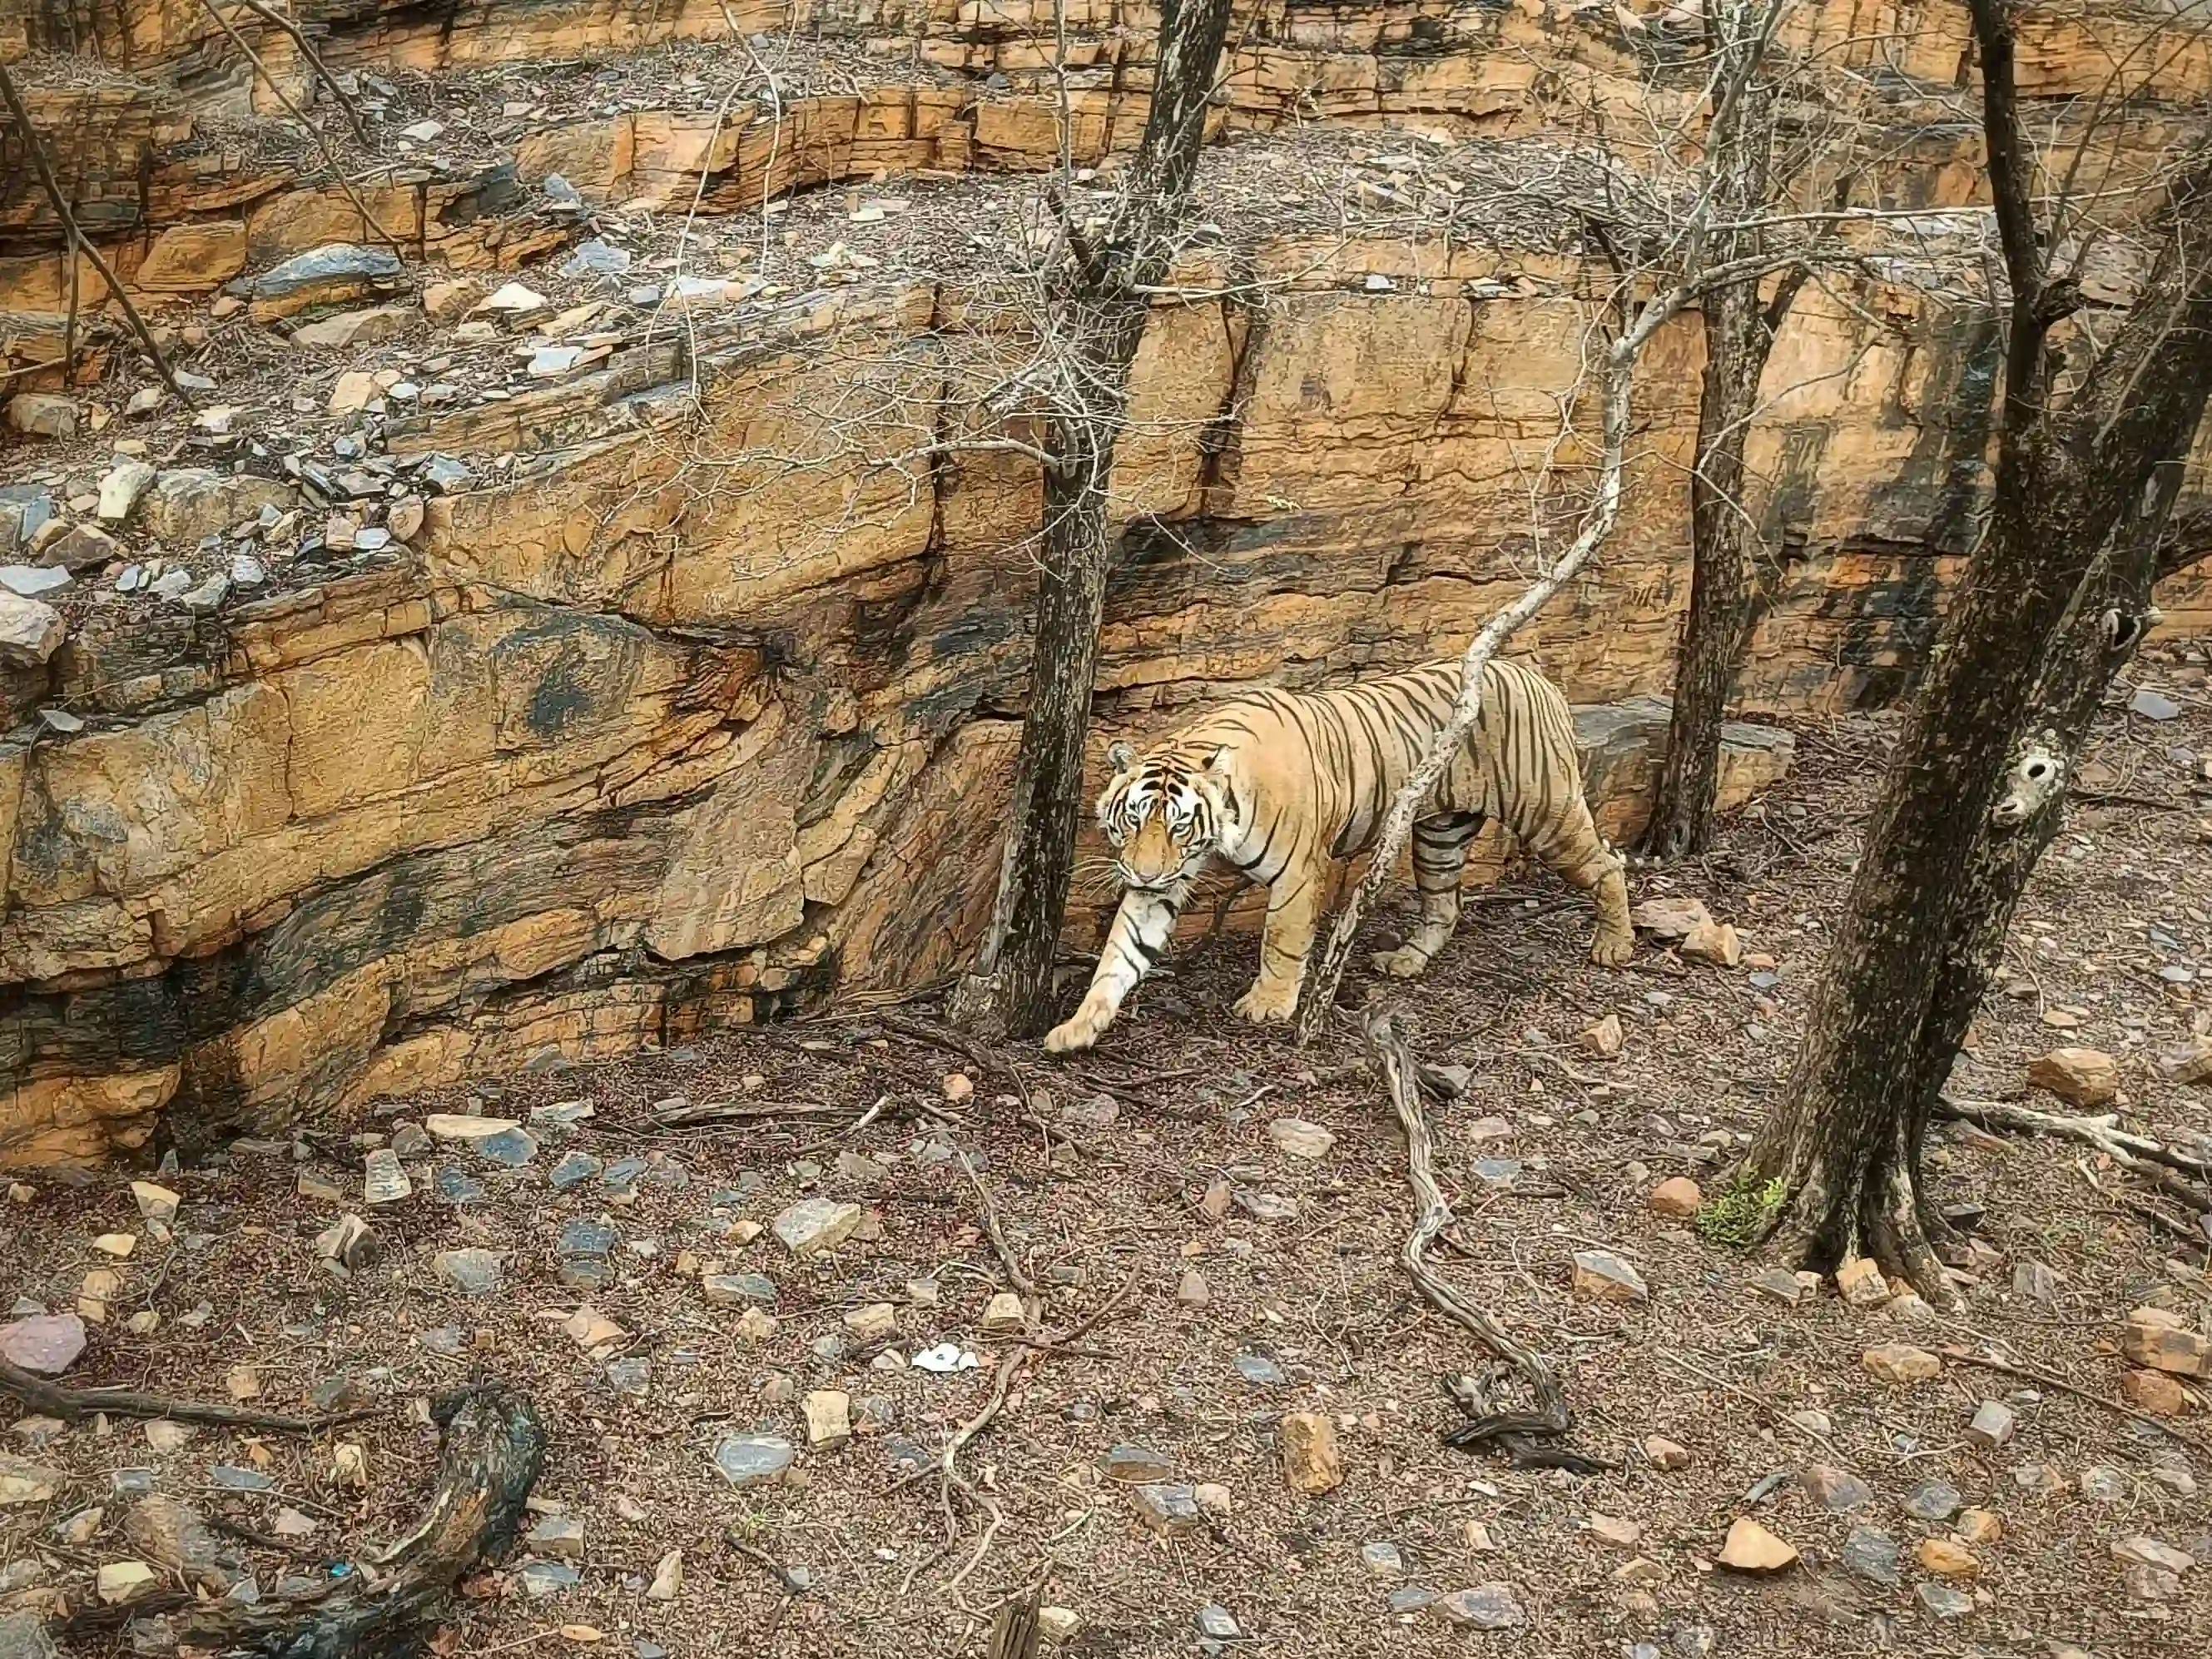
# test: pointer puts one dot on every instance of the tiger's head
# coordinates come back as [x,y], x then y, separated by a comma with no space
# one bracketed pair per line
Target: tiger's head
[1165,814]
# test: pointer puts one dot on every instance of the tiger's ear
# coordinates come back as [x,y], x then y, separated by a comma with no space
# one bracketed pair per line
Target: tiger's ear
[1120,757]
[1217,762]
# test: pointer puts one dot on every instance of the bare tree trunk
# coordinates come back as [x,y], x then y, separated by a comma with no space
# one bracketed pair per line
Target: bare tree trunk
[1010,992]
[1844,1141]
[1725,547]
[1739,330]
[1099,314]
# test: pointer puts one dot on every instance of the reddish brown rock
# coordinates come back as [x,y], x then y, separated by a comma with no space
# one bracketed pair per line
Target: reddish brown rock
[2155,1338]
[2079,1077]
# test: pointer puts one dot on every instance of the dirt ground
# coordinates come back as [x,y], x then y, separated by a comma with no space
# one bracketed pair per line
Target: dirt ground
[1305,1313]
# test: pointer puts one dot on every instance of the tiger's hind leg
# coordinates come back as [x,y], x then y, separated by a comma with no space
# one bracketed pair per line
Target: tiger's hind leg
[1440,845]
[1571,844]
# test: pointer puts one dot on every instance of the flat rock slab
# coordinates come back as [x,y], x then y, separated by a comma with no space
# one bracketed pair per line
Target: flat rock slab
[1602,1276]
[753,1460]
[1486,1607]
[473,1273]
[23,1482]
[45,1345]
[1871,1554]
[815,1224]
[449,1125]
[1169,1510]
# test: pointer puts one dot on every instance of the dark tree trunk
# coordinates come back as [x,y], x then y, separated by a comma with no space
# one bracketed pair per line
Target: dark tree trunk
[1010,992]
[1724,580]
[1724,537]
[1097,321]
[2110,615]
[1844,1141]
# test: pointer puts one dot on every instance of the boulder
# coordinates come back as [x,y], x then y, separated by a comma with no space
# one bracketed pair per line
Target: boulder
[45,1345]
[829,1418]
[22,1482]
[118,1582]
[1168,1509]
[1901,1363]
[2154,1392]
[1678,1196]
[1664,1454]
[1671,920]
[23,1636]
[1601,1276]
[1486,1607]
[352,328]
[2155,1338]
[194,258]
[1296,1138]
[121,488]
[1714,942]
[1860,1283]
[815,1224]
[336,273]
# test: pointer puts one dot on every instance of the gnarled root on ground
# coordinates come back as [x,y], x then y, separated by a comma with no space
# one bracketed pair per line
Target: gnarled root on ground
[1515,1433]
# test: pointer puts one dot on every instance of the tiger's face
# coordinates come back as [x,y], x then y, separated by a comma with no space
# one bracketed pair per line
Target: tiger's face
[1164,815]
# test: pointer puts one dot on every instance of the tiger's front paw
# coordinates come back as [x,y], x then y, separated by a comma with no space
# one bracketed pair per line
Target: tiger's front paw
[1077,1032]
[1268,1005]
[1404,962]
[1610,950]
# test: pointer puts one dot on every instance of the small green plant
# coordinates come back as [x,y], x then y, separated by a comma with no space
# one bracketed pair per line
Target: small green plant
[1741,1214]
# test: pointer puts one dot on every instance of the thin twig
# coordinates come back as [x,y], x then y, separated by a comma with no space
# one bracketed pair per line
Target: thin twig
[368,224]
[988,1059]
[1022,1282]
[36,147]
[1773,1411]
[268,15]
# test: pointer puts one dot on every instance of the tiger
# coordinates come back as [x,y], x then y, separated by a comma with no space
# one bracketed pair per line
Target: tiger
[1278,784]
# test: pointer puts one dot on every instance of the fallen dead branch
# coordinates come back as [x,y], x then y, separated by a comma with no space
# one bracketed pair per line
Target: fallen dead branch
[2046,1379]
[1015,1631]
[74,1405]
[794,1587]
[494,1450]
[992,1230]
[708,1113]
[1515,1433]
[2177,1174]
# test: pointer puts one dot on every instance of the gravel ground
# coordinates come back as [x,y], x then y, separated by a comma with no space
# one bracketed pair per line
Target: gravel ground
[1305,1313]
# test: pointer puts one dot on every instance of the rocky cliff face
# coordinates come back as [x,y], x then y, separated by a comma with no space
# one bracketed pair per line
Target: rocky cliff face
[506,670]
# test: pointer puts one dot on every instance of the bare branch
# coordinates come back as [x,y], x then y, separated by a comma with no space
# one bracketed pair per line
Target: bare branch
[76,242]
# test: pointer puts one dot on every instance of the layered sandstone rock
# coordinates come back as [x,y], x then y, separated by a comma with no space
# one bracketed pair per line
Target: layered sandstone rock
[638,735]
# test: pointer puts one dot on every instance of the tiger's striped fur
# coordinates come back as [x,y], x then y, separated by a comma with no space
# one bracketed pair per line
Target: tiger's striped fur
[1278,784]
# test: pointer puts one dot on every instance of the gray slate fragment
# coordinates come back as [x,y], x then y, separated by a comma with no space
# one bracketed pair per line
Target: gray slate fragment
[752,1460]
